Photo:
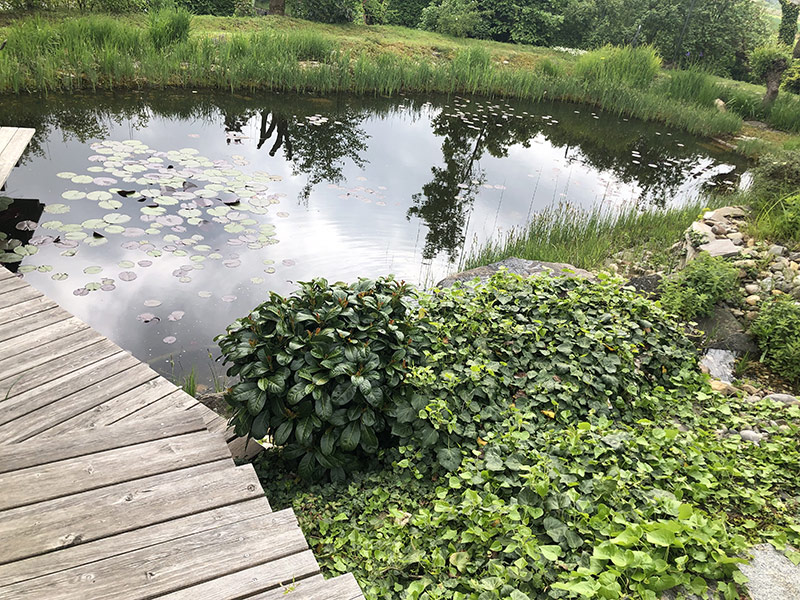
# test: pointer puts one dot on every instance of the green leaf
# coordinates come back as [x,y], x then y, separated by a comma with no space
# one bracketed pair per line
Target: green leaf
[459,560]
[328,441]
[304,430]
[350,436]
[449,458]
[550,552]
[660,537]
[283,431]
[260,424]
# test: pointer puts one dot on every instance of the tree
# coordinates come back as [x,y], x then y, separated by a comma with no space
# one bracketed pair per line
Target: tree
[768,64]
[277,7]
[790,10]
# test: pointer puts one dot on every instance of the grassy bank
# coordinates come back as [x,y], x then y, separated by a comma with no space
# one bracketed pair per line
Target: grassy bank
[248,54]
[586,238]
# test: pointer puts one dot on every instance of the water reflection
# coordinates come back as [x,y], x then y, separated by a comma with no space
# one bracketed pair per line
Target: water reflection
[221,199]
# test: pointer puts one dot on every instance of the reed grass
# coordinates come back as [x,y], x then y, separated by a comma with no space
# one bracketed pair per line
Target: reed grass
[636,67]
[97,51]
[691,85]
[586,238]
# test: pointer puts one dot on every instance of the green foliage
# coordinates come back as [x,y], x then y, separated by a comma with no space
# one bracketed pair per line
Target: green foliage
[458,18]
[784,220]
[775,176]
[406,12]
[169,26]
[521,21]
[777,330]
[636,67]
[694,291]
[376,12]
[325,11]
[784,113]
[788,28]
[318,370]
[791,78]
[691,85]
[768,59]
[556,348]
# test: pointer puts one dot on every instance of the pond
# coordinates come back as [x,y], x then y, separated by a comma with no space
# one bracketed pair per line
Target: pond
[161,218]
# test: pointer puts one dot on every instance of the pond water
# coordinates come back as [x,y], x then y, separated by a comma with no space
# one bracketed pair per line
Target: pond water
[159,219]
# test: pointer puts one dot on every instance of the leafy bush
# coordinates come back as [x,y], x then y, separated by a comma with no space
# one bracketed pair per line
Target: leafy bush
[766,59]
[777,330]
[694,291]
[325,11]
[169,26]
[776,175]
[220,8]
[406,12]
[780,220]
[458,18]
[557,348]
[636,67]
[318,370]
[791,78]
[784,113]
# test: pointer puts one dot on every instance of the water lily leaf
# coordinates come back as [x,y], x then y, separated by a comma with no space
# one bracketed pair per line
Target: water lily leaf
[27,225]
[127,276]
[59,276]
[100,196]
[93,270]
[73,195]
[82,179]
[170,339]
[56,209]
[116,218]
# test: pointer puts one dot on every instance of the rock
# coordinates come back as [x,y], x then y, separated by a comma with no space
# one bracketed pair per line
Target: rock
[751,436]
[795,256]
[701,231]
[767,284]
[753,299]
[719,364]
[724,332]
[785,398]
[748,388]
[719,229]
[772,576]
[751,315]
[647,285]
[747,263]
[751,288]
[526,268]
[723,388]
[736,237]
[777,250]
[719,104]
[720,247]
[216,402]
[726,212]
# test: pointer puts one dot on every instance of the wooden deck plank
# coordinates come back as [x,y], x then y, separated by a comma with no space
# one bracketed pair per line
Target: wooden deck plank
[37,338]
[102,469]
[6,133]
[29,323]
[48,526]
[29,453]
[343,587]
[32,424]
[13,150]
[174,565]
[23,309]
[112,410]
[19,296]
[32,390]
[282,572]
[24,361]
[11,284]
[91,552]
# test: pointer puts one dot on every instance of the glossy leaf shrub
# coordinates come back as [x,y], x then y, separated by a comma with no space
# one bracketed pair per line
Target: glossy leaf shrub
[560,349]
[319,368]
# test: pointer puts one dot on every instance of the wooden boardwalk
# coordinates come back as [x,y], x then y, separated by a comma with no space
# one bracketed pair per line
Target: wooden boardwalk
[13,141]
[116,484]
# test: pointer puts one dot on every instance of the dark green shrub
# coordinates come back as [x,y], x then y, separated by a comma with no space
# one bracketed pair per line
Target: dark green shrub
[777,330]
[775,176]
[559,349]
[406,12]
[376,12]
[694,291]
[791,78]
[459,18]
[318,370]
[169,26]
[636,67]
[220,8]
[325,11]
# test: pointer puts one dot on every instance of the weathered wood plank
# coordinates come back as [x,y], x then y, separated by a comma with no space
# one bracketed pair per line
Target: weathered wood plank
[177,399]
[32,390]
[48,526]
[19,296]
[36,339]
[31,453]
[6,133]
[11,284]
[23,309]
[343,587]
[23,361]
[29,323]
[283,571]
[109,467]
[43,419]
[12,152]
[174,565]
[113,409]
[82,554]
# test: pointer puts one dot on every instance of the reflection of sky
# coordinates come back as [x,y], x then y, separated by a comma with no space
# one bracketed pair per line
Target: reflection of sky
[343,231]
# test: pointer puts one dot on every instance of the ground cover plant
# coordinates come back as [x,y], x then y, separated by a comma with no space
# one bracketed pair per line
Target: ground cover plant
[777,330]
[695,290]
[559,442]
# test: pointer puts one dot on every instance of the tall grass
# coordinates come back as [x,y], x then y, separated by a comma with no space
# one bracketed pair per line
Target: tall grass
[585,238]
[636,67]
[691,85]
[96,52]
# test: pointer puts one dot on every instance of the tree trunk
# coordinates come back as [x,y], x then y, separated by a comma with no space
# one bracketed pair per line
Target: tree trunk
[790,10]
[773,81]
[277,7]
[796,53]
